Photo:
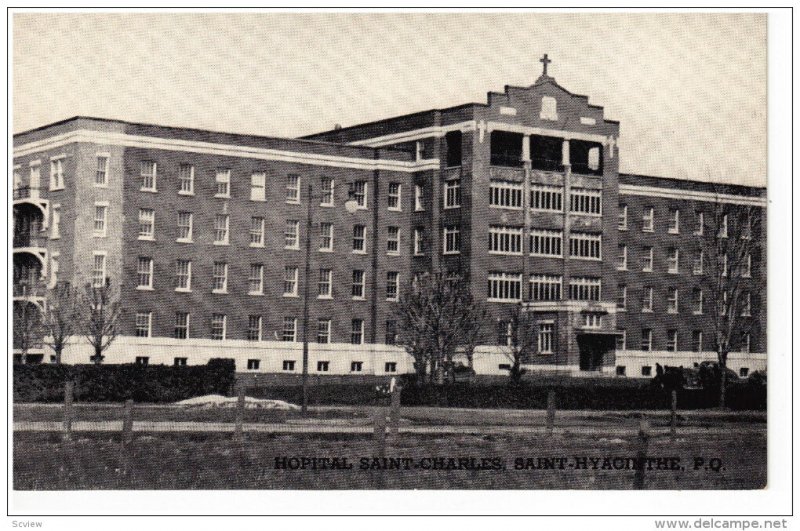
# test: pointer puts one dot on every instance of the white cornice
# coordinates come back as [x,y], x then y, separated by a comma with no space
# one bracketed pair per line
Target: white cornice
[691,195]
[436,131]
[227,150]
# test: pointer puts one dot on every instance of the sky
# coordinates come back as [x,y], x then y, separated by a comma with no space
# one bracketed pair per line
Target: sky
[688,88]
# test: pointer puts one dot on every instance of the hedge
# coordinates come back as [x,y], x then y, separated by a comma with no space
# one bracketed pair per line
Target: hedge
[115,383]
[575,394]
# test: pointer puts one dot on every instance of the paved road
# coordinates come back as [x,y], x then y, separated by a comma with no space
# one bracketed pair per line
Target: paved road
[327,427]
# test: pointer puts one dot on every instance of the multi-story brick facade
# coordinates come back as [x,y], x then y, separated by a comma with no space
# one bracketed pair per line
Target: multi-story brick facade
[204,233]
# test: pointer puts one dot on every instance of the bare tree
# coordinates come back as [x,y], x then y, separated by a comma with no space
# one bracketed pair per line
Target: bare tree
[61,317]
[100,312]
[519,332]
[729,247]
[28,330]
[438,321]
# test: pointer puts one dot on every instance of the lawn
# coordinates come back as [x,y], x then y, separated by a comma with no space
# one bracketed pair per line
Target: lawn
[213,461]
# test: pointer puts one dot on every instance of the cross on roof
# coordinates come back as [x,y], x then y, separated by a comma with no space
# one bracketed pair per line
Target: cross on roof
[545,61]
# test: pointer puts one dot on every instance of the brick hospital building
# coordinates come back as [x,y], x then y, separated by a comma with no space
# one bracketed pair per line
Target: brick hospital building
[204,234]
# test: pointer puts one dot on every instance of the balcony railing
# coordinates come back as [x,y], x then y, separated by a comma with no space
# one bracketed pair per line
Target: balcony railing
[26,192]
[24,289]
[506,174]
[30,239]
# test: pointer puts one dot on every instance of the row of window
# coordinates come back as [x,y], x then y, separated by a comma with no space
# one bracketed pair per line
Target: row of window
[745,269]
[671,343]
[698,301]
[57,172]
[219,330]
[507,287]
[254,364]
[508,194]
[544,242]
[545,335]
[674,222]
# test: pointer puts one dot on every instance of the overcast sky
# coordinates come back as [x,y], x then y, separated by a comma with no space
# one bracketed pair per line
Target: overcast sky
[688,89]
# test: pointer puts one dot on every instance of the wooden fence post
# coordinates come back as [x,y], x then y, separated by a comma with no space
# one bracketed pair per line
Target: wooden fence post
[641,455]
[69,388]
[127,423]
[379,438]
[394,412]
[238,431]
[551,411]
[673,417]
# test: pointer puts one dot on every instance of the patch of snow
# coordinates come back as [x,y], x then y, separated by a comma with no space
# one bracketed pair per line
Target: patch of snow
[213,401]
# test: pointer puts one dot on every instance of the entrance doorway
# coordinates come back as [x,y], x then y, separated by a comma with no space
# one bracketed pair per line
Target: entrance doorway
[593,348]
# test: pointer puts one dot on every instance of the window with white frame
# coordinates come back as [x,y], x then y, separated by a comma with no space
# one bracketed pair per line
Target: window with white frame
[673,260]
[185,220]
[546,198]
[586,201]
[256,231]
[549,108]
[748,266]
[390,366]
[221,222]
[256,280]
[672,340]
[288,365]
[147,222]
[505,194]
[17,177]
[647,299]
[223,180]
[622,258]
[505,286]
[699,217]
[452,239]
[746,304]
[358,290]
[697,264]
[186,179]
[358,193]
[672,300]
[724,259]
[747,228]
[585,245]
[505,333]
[292,188]
[505,240]
[697,301]
[723,226]
[452,193]
[585,288]
[622,339]
[324,284]
[183,275]
[392,285]
[648,216]
[144,272]
[545,287]
[391,332]
[394,197]
[359,238]
[98,269]
[393,240]
[254,328]
[181,325]
[144,322]
[545,337]
[258,186]
[622,217]
[326,236]
[101,173]
[147,174]
[290,275]
[323,331]
[674,221]
[622,297]
[289,330]
[323,366]
[545,242]
[697,341]
[647,259]
[218,326]
[647,339]
[291,236]
[220,277]
[357,332]
[326,198]
[55,222]
[591,320]
[419,241]
[54,268]
[100,211]
[253,364]
[419,198]
[57,173]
